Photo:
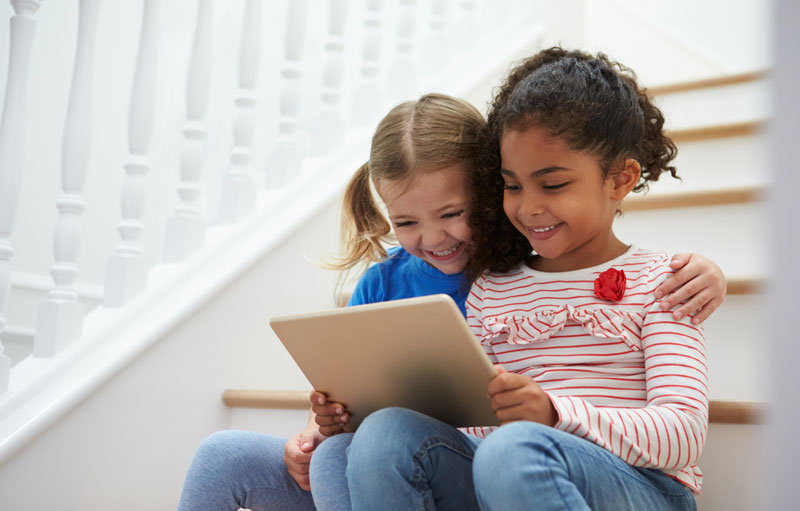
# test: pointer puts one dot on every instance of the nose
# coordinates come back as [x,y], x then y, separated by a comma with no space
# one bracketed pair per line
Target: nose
[530,205]
[433,236]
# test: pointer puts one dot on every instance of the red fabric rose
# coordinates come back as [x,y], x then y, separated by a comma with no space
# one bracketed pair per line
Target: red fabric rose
[610,285]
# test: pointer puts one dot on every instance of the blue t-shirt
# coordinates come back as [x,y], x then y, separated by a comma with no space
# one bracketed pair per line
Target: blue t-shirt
[402,275]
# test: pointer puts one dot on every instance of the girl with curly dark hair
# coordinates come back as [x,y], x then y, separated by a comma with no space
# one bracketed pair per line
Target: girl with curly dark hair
[601,393]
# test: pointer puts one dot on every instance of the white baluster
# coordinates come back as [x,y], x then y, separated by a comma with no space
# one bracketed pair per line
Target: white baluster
[434,50]
[12,125]
[367,98]
[239,190]
[328,129]
[59,319]
[186,229]
[287,157]
[126,275]
[402,76]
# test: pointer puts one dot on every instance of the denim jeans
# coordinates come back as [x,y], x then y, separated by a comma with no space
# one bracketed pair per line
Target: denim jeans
[233,469]
[327,474]
[525,465]
[402,460]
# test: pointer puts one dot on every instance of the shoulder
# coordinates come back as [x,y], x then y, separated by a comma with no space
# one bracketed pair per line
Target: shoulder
[646,267]
[371,287]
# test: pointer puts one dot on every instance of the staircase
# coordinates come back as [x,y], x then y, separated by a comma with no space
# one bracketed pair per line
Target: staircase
[110,418]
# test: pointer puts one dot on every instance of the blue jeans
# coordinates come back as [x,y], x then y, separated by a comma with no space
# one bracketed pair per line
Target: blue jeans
[233,469]
[400,459]
[554,470]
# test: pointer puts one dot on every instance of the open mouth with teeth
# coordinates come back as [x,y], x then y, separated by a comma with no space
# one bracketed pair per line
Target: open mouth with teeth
[546,232]
[445,255]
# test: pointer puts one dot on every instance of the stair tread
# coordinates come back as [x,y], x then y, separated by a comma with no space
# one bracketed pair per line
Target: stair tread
[720,411]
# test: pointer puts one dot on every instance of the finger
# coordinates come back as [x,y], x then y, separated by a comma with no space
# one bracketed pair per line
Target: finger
[706,311]
[679,261]
[318,398]
[675,281]
[695,303]
[504,382]
[328,409]
[295,467]
[688,291]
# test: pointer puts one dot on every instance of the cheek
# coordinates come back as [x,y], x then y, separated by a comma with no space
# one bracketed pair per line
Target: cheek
[406,239]
[510,207]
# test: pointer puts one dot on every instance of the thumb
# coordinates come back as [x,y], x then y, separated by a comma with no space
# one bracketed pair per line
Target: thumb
[308,441]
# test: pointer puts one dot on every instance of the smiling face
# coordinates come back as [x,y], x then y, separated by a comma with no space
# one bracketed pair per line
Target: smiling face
[429,213]
[558,199]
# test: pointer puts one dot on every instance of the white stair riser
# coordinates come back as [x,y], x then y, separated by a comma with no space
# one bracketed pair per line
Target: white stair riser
[729,104]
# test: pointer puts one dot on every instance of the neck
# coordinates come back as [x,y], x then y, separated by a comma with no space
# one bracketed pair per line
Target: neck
[592,253]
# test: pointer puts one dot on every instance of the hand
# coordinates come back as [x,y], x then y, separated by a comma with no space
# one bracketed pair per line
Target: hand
[330,417]
[698,283]
[297,455]
[515,397]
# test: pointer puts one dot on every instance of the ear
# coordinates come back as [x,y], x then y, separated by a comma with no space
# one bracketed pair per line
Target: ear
[625,179]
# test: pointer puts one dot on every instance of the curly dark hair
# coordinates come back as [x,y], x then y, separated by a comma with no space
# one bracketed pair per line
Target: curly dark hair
[591,103]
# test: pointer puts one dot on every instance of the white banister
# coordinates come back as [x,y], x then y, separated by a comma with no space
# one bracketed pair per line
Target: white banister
[239,190]
[367,98]
[186,228]
[59,319]
[126,274]
[328,129]
[434,50]
[286,160]
[12,122]
[402,75]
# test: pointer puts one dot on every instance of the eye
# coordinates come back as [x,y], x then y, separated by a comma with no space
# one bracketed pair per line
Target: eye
[407,223]
[555,187]
[454,214]
[511,188]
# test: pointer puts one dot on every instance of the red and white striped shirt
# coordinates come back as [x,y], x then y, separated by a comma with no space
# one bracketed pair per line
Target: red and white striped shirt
[624,375]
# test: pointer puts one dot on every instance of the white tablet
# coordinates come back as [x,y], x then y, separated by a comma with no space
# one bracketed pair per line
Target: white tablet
[415,353]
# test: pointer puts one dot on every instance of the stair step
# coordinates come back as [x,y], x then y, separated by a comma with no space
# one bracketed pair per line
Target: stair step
[720,412]
[691,199]
[710,132]
[708,83]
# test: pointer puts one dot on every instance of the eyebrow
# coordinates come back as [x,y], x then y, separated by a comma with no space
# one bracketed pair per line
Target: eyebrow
[535,173]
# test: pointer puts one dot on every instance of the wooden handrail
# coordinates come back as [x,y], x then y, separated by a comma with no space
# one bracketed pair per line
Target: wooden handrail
[734,129]
[708,83]
[745,286]
[694,199]
[720,412]
[278,399]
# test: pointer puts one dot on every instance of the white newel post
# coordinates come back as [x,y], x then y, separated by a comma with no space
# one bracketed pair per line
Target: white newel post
[59,319]
[367,99]
[286,160]
[402,76]
[186,229]
[328,129]
[12,122]
[126,274]
[238,189]
[434,49]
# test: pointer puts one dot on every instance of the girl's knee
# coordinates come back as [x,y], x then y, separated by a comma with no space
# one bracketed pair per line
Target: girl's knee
[514,445]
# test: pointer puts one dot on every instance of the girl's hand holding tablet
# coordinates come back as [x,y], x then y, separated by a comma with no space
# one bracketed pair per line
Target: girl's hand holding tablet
[330,417]
[516,397]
